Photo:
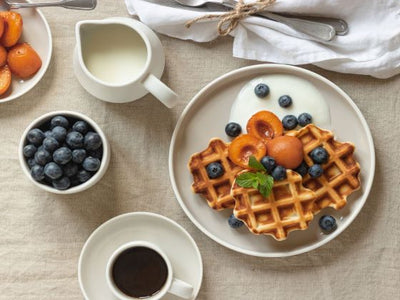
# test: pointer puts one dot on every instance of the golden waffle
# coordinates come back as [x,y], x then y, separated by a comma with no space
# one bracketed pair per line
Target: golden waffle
[341,172]
[289,207]
[216,191]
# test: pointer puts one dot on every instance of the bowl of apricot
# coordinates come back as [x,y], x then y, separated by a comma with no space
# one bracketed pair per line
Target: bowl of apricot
[25,51]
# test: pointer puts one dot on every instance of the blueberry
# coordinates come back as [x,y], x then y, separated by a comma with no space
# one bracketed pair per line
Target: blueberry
[289,122]
[62,155]
[302,169]
[42,157]
[53,171]
[98,153]
[315,171]
[37,172]
[59,133]
[83,175]
[50,144]
[74,139]
[319,155]
[48,133]
[70,169]
[215,170]
[78,155]
[304,119]
[62,184]
[234,222]
[92,141]
[261,90]
[74,181]
[233,129]
[59,121]
[269,163]
[81,126]
[327,223]
[31,162]
[29,151]
[285,101]
[91,164]
[279,173]
[35,136]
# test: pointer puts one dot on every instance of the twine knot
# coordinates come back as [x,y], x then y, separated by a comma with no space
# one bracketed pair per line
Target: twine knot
[230,20]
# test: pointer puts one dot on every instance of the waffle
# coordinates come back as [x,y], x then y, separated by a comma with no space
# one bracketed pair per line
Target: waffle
[341,172]
[289,207]
[215,191]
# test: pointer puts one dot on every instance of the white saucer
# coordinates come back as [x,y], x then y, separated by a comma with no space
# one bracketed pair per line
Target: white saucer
[205,117]
[179,246]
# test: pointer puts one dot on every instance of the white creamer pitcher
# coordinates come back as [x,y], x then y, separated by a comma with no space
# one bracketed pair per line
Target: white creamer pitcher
[120,60]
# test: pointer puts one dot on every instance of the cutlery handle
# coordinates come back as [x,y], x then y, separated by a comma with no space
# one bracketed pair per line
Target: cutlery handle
[72,4]
[315,30]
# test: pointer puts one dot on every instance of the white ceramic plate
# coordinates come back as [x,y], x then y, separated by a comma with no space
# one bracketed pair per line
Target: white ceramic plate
[37,33]
[168,235]
[205,117]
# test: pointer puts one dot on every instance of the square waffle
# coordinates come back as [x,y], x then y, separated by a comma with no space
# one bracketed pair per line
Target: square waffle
[341,175]
[216,191]
[289,207]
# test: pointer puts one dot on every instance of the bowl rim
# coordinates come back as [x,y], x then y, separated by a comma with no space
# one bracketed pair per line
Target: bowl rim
[45,65]
[79,188]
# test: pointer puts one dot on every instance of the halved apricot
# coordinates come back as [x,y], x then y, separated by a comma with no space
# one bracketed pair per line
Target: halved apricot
[12,28]
[5,79]
[1,26]
[243,147]
[23,60]
[3,56]
[264,125]
[286,150]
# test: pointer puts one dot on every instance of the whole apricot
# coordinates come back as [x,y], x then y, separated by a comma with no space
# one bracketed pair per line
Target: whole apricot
[1,26]
[23,60]
[3,56]
[244,146]
[286,150]
[5,79]
[12,28]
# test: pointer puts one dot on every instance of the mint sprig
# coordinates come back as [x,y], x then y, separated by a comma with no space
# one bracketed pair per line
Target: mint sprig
[259,180]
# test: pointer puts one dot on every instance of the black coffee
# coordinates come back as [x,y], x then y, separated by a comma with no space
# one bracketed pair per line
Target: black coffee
[139,272]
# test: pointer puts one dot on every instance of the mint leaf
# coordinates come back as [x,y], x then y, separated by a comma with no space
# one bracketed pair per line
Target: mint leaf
[262,178]
[246,180]
[255,164]
[265,189]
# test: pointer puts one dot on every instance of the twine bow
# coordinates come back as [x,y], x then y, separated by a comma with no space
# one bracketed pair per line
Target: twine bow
[230,20]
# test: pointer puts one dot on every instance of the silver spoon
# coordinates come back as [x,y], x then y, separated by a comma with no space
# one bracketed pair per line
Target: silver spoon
[314,29]
[71,4]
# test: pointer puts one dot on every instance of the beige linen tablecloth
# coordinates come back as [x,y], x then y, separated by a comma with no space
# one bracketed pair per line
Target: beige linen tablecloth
[41,234]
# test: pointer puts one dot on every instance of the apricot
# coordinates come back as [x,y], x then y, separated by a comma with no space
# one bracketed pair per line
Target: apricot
[264,125]
[286,150]
[12,28]
[5,79]
[1,26]
[3,56]
[244,146]
[23,60]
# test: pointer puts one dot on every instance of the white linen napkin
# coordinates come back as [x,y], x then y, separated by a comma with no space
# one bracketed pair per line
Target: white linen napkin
[372,46]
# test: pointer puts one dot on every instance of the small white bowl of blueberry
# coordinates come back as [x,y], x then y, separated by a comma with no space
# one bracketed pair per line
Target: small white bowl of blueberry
[64,152]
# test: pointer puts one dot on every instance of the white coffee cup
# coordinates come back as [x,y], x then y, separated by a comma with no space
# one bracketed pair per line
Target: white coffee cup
[121,70]
[172,285]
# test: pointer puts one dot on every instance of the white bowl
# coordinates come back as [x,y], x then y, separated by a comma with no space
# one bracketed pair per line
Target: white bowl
[36,32]
[79,188]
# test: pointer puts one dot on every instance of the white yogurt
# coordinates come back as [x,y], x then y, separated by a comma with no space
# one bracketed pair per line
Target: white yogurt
[305,96]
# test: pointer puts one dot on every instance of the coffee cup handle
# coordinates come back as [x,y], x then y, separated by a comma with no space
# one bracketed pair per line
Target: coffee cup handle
[159,90]
[181,289]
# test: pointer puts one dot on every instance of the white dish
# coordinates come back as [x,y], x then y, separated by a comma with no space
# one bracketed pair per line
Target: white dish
[36,32]
[105,161]
[205,117]
[169,236]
